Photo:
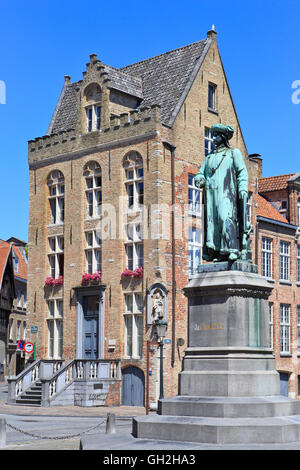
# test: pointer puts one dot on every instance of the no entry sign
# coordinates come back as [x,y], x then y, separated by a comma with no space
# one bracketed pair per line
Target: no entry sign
[29,347]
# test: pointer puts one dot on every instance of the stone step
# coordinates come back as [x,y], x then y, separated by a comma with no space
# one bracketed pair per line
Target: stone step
[28,401]
[229,407]
[218,431]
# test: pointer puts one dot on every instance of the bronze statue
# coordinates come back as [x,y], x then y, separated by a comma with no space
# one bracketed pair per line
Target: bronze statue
[224,178]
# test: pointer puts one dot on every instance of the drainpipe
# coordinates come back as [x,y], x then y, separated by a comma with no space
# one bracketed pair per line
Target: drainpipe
[172,148]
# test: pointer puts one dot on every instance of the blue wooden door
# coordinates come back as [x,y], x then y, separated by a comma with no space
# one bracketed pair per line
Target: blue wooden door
[284,384]
[133,387]
[90,326]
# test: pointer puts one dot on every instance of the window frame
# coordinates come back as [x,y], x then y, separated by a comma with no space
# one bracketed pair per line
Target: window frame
[285,329]
[133,324]
[55,325]
[284,260]
[56,253]
[212,97]
[93,120]
[193,247]
[267,257]
[194,196]
[95,247]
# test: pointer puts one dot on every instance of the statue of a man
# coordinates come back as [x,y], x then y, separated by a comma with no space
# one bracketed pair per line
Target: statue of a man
[225,179]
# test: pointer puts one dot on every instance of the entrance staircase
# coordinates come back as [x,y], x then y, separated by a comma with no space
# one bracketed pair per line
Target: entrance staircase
[80,382]
[32,396]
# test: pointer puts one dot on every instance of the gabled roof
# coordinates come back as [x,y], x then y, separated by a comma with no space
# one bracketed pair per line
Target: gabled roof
[274,183]
[164,80]
[5,250]
[166,77]
[268,211]
[22,270]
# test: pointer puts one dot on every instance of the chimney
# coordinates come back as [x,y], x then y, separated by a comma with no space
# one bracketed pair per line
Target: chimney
[212,34]
[67,79]
[256,157]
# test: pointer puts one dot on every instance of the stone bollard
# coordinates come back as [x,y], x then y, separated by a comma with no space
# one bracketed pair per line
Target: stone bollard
[110,423]
[2,433]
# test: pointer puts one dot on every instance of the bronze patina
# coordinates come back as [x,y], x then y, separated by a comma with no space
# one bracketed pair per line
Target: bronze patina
[224,178]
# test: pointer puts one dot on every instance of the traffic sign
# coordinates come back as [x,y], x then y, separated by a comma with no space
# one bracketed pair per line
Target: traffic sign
[28,347]
[20,345]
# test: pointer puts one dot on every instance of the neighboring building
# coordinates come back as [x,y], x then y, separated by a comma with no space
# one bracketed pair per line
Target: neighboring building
[108,145]
[13,284]
[17,327]
[278,257]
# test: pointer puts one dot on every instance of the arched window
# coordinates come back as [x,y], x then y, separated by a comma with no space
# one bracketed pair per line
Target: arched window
[56,197]
[92,105]
[93,189]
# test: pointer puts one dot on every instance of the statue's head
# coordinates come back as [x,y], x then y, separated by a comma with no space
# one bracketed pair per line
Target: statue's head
[221,134]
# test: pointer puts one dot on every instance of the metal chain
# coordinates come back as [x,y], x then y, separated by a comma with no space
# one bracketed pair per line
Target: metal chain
[54,438]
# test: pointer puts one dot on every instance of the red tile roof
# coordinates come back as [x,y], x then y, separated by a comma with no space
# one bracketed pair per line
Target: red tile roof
[273,183]
[267,210]
[22,271]
[4,253]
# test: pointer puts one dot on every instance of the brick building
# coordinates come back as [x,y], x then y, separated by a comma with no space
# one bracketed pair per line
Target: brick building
[13,299]
[121,151]
[278,258]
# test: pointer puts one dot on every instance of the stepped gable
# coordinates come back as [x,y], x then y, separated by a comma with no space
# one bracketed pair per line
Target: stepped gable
[160,80]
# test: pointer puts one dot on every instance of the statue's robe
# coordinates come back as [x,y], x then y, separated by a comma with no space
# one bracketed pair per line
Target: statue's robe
[225,175]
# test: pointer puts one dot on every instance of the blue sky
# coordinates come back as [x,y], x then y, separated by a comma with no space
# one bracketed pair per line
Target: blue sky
[41,41]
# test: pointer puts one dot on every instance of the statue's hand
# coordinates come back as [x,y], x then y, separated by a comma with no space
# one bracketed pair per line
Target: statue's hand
[243,194]
[199,181]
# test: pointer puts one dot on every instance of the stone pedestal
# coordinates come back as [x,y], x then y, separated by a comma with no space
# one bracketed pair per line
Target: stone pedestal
[228,387]
[228,350]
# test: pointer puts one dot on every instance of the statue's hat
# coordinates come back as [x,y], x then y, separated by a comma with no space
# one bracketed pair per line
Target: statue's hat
[227,131]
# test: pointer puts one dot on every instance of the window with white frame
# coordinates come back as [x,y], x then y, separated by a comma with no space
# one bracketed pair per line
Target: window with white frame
[93,254]
[194,249]
[56,198]
[133,318]
[249,209]
[93,189]
[134,180]
[284,328]
[55,328]
[194,196]
[92,104]
[284,261]
[56,256]
[271,324]
[134,246]
[212,96]
[208,141]
[266,257]
[93,117]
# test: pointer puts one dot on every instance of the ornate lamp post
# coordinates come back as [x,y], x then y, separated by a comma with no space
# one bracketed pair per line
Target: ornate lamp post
[161,328]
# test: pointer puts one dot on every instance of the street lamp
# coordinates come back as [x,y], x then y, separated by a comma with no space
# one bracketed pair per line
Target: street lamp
[161,328]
